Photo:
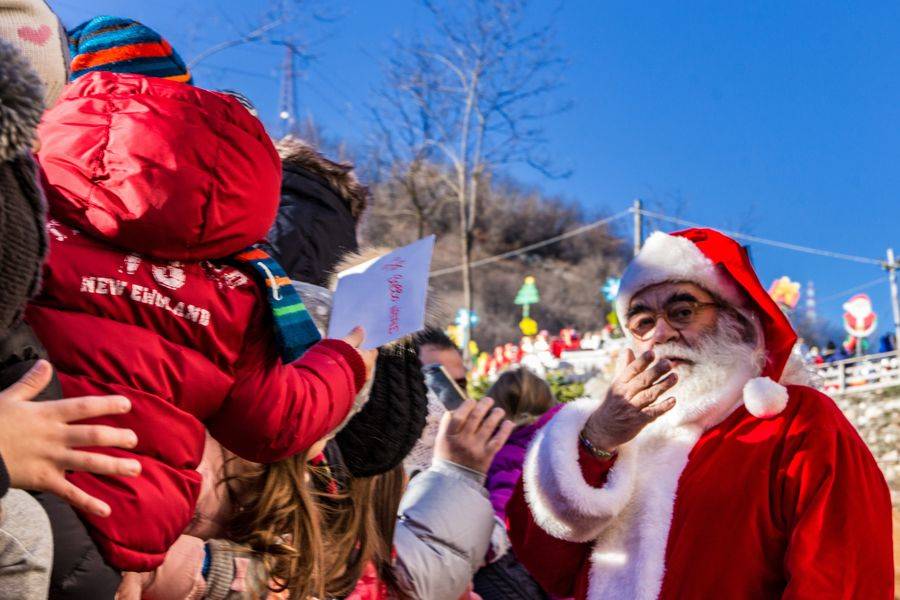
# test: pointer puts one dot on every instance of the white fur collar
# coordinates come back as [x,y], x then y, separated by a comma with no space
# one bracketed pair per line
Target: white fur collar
[630,516]
[628,558]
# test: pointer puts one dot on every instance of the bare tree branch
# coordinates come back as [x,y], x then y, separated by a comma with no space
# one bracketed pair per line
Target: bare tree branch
[471,100]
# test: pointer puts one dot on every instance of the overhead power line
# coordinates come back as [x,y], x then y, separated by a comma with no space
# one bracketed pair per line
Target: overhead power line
[774,243]
[858,288]
[535,246]
[685,223]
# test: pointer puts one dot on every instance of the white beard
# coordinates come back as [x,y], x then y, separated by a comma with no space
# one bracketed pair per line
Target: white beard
[712,387]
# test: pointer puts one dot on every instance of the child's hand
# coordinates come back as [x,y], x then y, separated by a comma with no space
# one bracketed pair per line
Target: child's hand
[469,436]
[355,338]
[38,443]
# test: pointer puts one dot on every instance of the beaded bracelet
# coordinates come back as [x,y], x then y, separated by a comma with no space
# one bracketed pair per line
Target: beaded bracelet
[594,450]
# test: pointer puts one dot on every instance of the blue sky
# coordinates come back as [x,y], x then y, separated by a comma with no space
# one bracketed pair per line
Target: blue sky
[781,119]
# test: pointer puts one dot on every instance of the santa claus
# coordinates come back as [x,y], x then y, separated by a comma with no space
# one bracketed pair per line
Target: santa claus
[705,471]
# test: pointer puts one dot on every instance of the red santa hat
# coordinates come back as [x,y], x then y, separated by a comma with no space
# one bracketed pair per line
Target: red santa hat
[721,266]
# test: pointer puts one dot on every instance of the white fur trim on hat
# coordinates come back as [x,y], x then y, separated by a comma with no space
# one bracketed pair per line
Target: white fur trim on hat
[764,398]
[667,257]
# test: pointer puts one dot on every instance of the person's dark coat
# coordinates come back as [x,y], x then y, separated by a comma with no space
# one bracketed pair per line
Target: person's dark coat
[321,202]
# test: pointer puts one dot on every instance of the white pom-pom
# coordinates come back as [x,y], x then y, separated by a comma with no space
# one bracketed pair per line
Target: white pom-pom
[764,398]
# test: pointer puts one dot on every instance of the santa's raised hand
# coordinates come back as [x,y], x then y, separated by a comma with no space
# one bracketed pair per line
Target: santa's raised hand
[632,401]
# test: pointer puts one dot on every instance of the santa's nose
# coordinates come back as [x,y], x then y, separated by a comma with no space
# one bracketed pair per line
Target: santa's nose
[663,333]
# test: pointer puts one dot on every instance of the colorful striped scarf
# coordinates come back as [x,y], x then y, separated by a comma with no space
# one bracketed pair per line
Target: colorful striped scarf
[295,330]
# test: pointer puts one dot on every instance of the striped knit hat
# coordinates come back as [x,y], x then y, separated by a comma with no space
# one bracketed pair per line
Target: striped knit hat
[123,46]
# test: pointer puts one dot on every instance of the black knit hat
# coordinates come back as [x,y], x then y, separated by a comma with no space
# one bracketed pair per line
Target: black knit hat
[378,438]
[23,241]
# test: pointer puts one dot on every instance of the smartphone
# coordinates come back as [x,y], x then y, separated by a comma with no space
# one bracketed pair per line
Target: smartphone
[439,381]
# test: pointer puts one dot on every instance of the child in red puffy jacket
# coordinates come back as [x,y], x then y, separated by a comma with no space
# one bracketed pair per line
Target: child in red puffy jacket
[153,187]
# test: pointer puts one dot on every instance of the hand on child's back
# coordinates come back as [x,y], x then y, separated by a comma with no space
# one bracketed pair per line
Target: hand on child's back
[38,441]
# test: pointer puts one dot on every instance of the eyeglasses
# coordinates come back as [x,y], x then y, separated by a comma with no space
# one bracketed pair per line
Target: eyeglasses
[679,315]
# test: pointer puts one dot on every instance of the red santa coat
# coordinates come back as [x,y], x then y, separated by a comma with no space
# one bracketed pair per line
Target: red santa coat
[788,507]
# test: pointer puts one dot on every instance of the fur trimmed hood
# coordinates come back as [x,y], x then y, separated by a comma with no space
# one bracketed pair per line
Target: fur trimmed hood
[339,176]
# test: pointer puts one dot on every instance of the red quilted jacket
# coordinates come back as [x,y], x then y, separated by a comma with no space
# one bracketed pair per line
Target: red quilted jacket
[149,181]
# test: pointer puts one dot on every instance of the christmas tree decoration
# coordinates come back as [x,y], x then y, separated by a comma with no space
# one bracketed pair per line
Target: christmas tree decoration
[528,295]
[785,293]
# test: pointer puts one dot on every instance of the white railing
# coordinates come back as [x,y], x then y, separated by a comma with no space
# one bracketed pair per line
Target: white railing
[586,362]
[860,374]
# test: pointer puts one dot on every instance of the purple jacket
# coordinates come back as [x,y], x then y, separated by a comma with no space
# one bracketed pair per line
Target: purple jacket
[506,469]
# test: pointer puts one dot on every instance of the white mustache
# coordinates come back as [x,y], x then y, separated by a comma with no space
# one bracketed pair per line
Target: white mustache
[674,350]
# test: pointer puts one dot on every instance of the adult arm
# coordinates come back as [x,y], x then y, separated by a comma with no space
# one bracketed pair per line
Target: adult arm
[443,532]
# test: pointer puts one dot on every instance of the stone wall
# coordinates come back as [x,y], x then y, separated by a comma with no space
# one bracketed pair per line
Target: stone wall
[876,415]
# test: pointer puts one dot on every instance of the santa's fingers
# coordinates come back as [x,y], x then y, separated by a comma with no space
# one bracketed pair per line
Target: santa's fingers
[648,377]
[636,366]
[623,359]
[645,398]
[654,411]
